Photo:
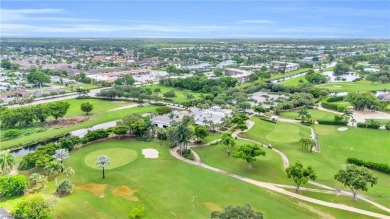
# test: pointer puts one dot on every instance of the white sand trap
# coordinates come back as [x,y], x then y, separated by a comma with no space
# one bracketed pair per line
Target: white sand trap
[341,129]
[150,153]
[336,86]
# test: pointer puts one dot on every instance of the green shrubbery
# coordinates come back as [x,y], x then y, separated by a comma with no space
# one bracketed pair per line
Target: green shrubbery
[332,122]
[15,133]
[94,135]
[381,167]
[368,125]
[13,185]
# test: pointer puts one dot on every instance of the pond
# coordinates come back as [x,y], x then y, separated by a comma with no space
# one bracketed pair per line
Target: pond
[80,133]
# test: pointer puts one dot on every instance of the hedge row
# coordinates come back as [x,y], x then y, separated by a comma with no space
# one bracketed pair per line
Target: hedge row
[332,122]
[332,106]
[335,99]
[381,167]
[368,126]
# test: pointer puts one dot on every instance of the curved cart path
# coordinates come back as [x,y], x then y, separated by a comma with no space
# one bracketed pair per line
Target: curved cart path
[279,187]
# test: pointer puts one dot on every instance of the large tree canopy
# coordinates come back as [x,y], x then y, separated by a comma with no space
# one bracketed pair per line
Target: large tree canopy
[38,77]
[364,99]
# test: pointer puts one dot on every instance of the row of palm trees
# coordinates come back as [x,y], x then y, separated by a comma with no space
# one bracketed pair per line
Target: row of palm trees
[307,144]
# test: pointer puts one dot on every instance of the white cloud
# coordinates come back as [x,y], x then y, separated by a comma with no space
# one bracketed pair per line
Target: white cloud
[28,15]
[258,22]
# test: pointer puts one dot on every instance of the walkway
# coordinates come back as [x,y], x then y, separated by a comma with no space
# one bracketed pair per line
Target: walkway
[274,187]
[279,187]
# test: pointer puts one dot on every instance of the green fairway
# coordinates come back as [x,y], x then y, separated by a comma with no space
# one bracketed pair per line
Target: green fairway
[168,188]
[265,168]
[118,157]
[181,95]
[315,114]
[94,119]
[355,86]
[336,147]
[284,133]
[99,106]
[280,75]
[294,81]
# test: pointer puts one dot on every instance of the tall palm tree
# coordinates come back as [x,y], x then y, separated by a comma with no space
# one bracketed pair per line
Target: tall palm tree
[7,162]
[182,134]
[60,155]
[54,168]
[151,128]
[102,161]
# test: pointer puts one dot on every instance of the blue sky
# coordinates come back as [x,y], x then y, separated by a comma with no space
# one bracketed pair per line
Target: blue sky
[195,19]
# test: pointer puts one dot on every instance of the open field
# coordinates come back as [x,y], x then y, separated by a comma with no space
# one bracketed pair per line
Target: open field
[336,147]
[168,188]
[315,114]
[99,116]
[280,75]
[181,95]
[355,86]
[294,81]
[266,168]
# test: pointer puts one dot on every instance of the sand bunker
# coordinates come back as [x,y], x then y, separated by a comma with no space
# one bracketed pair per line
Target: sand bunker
[341,129]
[150,153]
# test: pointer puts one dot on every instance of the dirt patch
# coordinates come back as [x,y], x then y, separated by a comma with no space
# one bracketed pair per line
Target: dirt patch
[212,206]
[67,122]
[96,189]
[125,192]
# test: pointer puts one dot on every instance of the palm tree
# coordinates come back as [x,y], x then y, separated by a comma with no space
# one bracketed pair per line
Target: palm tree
[60,155]
[353,121]
[7,162]
[303,113]
[182,134]
[54,168]
[171,116]
[102,161]
[151,128]
[347,112]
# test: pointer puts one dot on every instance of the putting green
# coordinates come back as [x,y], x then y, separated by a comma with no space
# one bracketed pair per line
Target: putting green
[284,133]
[118,157]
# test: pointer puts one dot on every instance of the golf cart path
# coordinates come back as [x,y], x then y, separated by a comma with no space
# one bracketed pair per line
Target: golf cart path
[272,186]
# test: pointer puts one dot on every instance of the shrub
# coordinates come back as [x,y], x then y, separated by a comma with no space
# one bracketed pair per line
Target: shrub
[187,153]
[120,130]
[137,212]
[266,119]
[41,156]
[381,167]
[367,125]
[163,110]
[10,134]
[332,122]
[64,187]
[13,185]
[387,126]
[33,206]
[335,99]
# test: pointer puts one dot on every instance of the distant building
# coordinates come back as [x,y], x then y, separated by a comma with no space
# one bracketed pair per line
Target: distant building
[276,65]
[384,97]
[371,69]
[227,63]
[200,67]
[201,117]
[13,94]
[241,75]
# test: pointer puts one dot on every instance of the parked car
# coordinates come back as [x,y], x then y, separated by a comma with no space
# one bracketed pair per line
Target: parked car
[269,146]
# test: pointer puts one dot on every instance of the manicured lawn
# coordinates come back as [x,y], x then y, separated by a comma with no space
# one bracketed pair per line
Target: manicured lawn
[342,199]
[277,76]
[265,168]
[118,157]
[355,86]
[95,118]
[212,137]
[168,188]
[315,114]
[181,95]
[336,147]
[294,81]
[99,106]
